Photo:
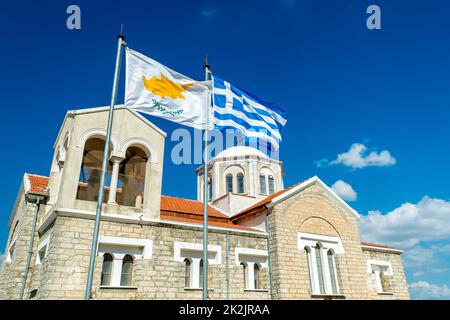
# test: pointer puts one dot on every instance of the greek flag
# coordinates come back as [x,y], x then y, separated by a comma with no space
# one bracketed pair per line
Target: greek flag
[254,117]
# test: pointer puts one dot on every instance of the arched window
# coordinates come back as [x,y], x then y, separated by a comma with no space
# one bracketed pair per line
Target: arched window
[132,178]
[310,268]
[244,269]
[187,273]
[332,271]
[210,191]
[229,183]
[240,182]
[262,184]
[127,270]
[271,185]
[14,231]
[201,274]
[106,270]
[256,276]
[319,265]
[91,169]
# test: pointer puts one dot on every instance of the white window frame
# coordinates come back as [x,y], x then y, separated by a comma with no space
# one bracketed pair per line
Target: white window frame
[374,267]
[42,250]
[10,252]
[309,240]
[250,257]
[194,252]
[119,247]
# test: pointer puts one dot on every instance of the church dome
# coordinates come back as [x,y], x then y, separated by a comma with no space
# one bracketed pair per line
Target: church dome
[240,151]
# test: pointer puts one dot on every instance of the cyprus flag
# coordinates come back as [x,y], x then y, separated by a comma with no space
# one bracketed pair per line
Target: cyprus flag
[159,91]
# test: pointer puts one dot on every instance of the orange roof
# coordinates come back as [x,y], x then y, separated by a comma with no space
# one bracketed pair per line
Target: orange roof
[181,205]
[225,224]
[37,184]
[184,210]
[265,201]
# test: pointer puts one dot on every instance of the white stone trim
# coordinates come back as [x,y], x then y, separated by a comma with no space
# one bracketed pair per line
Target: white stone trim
[86,135]
[383,249]
[144,245]
[85,214]
[151,153]
[10,251]
[43,246]
[258,255]
[306,184]
[310,241]
[373,266]
[382,263]
[250,257]
[214,250]
[328,242]
[194,252]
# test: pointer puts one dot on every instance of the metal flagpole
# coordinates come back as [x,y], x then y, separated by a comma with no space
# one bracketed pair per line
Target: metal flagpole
[120,44]
[205,196]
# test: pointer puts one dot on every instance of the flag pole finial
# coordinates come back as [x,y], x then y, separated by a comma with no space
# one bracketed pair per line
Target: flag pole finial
[121,36]
[206,65]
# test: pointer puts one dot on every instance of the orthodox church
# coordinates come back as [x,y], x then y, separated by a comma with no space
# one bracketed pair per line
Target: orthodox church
[266,241]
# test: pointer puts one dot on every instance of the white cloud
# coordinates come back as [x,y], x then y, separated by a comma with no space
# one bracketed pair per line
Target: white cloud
[357,158]
[423,290]
[344,190]
[208,12]
[409,224]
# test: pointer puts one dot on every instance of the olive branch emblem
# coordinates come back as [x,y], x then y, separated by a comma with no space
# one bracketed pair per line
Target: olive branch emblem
[164,110]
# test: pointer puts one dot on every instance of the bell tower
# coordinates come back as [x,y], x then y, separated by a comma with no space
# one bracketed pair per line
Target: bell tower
[134,172]
[240,176]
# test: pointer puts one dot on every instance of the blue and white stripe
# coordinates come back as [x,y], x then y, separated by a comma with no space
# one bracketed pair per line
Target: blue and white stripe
[235,108]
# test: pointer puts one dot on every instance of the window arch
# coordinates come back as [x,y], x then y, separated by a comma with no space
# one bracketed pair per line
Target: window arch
[244,269]
[229,183]
[240,182]
[257,276]
[210,189]
[91,168]
[187,273]
[14,231]
[271,185]
[332,271]
[310,267]
[127,270]
[106,270]
[320,271]
[132,178]
[201,274]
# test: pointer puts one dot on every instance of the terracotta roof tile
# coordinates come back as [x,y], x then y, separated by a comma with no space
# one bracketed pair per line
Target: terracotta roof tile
[181,205]
[36,184]
[210,223]
[265,200]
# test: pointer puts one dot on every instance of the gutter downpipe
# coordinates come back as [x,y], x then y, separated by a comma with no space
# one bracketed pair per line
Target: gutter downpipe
[269,260]
[227,258]
[30,249]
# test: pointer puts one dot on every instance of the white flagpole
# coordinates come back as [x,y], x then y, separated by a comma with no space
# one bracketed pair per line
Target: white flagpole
[120,44]
[205,196]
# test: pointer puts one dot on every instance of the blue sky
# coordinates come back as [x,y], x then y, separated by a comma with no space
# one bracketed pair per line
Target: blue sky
[344,87]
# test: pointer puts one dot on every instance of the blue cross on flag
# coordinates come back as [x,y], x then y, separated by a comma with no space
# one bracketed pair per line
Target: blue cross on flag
[254,117]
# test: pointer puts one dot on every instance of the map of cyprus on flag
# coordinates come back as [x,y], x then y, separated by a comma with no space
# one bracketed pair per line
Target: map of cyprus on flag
[154,89]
